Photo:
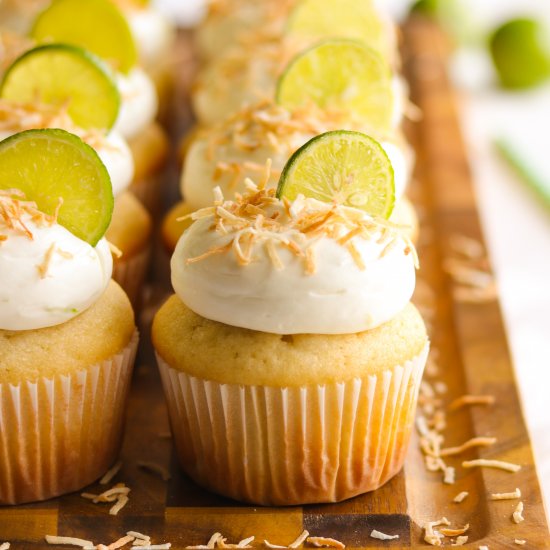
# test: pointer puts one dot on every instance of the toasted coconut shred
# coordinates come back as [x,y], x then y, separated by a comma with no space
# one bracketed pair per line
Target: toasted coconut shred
[321,542]
[520,542]
[15,209]
[461,496]
[4,546]
[460,541]
[382,536]
[111,473]
[254,218]
[138,541]
[468,400]
[71,541]
[506,496]
[17,117]
[498,464]
[118,494]
[434,537]
[517,516]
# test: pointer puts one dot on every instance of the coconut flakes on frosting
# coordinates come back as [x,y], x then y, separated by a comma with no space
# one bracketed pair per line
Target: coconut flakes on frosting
[14,207]
[253,126]
[257,217]
[17,117]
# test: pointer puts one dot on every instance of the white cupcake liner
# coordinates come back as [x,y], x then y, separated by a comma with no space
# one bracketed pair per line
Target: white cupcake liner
[58,435]
[283,446]
[130,273]
[149,191]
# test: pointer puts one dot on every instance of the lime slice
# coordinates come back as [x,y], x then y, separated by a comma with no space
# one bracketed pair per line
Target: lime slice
[356,19]
[344,167]
[60,74]
[343,74]
[96,25]
[49,164]
[521,53]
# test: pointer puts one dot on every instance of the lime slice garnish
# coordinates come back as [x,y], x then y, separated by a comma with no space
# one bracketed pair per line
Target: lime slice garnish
[342,74]
[520,50]
[60,74]
[48,165]
[96,25]
[358,19]
[341,167]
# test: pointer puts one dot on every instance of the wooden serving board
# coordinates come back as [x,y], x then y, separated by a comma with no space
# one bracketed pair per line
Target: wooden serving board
[473,358]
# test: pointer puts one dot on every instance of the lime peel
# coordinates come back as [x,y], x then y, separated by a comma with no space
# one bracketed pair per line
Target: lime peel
[344,167]
[96,25]
[342,74]
[50,164]
[62,74]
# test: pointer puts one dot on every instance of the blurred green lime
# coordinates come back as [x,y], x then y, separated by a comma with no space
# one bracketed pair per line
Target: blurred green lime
[426,7]
[521,53]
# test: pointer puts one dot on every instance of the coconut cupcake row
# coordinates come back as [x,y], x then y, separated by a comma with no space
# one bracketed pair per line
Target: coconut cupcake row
[114,111]
[244,114]
[67,332]
[290,354]
[81,159]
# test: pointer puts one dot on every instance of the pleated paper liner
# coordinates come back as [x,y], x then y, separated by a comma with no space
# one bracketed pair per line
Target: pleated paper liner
[284,446]
[130,273]
[149,190]
[59,435]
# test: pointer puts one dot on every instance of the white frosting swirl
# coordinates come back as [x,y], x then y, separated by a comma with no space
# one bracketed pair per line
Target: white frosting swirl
[153,35]
[233,81]
[201,174]
[73,279]
[117,158]
[139,102]
[339,298]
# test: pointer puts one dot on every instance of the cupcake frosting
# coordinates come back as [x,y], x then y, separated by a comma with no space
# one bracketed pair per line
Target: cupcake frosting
[235,80]
[111,148]
[139,102]
[152,32]
[237,149]
[47,274]
[301,268]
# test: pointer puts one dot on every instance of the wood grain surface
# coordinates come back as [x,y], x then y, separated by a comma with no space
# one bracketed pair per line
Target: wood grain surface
[473,357]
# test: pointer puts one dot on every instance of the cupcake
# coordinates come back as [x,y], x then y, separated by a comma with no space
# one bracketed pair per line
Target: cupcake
[243,23]
[139,103]
[291,355]
[236,79]
[228,154]
[155,38]
[67,332]
[131,228]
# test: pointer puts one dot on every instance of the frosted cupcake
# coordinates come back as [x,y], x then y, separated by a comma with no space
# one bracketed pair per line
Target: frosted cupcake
[102,29]
[155,38]
[290,355]
[237,80]
[130,231]
[237,149]
[67,333]
[244,23]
